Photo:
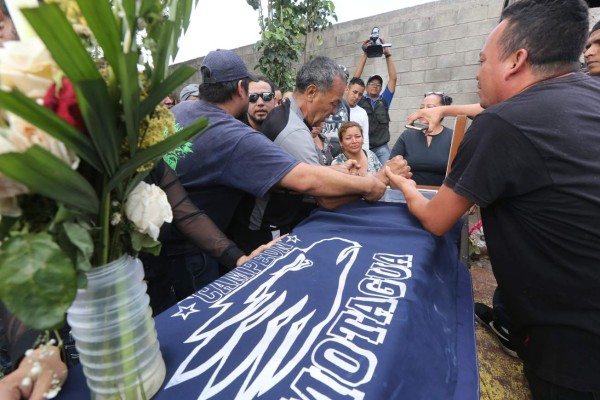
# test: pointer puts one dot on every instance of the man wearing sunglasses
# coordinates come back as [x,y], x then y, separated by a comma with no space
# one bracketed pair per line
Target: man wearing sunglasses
[320,86]
[230,159]
[261,101]
[377,104]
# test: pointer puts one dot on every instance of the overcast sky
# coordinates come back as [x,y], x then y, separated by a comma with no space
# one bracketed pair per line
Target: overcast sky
[229,24]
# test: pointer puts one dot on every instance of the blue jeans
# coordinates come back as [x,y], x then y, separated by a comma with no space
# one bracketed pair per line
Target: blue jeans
[382,152]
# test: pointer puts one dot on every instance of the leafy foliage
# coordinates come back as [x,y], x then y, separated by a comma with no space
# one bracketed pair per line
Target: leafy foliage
[65,226]
[34,273]
[284,33]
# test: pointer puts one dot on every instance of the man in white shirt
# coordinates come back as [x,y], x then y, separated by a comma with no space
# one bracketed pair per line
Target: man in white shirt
[354,93]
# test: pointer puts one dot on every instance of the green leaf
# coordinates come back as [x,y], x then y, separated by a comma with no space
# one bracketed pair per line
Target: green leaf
[46,174]
[71,56]
[143,242]
[6,224]
[49,122]
[167,36]
[65,214]
[100,19]
[146,6]
[255,4]
[135,21]
[81,239]
[187,7]
[136,180]
[156,151]
[162,90]
[37,280]
[130,97]
[100,119]
[61,40]
[164,50]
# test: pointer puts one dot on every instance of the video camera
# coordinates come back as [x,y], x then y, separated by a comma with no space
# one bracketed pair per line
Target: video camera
[375,49]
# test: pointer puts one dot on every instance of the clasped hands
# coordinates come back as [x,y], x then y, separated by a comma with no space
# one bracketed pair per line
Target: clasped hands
[396,165]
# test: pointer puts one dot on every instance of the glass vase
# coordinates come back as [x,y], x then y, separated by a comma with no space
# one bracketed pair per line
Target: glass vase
[111,322]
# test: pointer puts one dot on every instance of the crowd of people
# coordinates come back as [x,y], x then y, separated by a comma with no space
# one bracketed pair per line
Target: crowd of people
[268,159]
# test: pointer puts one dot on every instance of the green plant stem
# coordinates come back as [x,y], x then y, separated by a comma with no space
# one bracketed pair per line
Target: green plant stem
[116,237]
[133,383]
[104,227]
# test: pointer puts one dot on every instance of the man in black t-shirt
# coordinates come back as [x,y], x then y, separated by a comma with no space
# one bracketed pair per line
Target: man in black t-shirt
[530,162]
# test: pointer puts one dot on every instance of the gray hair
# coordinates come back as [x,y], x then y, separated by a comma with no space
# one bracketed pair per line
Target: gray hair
[321,72]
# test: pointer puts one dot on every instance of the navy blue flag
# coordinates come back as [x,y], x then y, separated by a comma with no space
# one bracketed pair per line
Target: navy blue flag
[358,303]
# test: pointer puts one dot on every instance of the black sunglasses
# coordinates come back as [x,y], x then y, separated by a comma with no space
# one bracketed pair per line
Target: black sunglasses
[266,96]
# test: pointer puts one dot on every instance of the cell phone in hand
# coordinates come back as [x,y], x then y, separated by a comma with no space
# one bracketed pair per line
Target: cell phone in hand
[417,126]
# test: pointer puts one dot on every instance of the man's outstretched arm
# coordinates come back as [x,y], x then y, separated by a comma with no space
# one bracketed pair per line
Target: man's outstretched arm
[437,215]
[363,60]
[391,69]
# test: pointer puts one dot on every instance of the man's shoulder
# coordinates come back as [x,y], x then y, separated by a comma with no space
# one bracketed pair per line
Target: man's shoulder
[293,132]
[293,124]
[357,111]
[276,121]
[188,106]
[385,98]
[187,112]
[551,91]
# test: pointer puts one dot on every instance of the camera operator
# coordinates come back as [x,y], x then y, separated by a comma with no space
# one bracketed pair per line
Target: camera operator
[376,103]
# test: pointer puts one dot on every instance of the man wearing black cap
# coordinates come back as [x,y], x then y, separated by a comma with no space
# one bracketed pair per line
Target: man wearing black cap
[230,159]
[377,104]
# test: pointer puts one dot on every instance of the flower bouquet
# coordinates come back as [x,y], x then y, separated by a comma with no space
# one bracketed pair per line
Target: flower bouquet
[80,129]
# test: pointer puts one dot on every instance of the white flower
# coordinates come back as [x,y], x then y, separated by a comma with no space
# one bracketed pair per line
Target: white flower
[147,208]
[28,66]
[115,219]
[20,135]
[9,189]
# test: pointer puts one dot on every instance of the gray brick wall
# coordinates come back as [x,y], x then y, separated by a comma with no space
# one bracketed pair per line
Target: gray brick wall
[435,46]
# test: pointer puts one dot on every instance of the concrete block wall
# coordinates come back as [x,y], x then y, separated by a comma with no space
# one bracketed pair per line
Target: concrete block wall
[435,47]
